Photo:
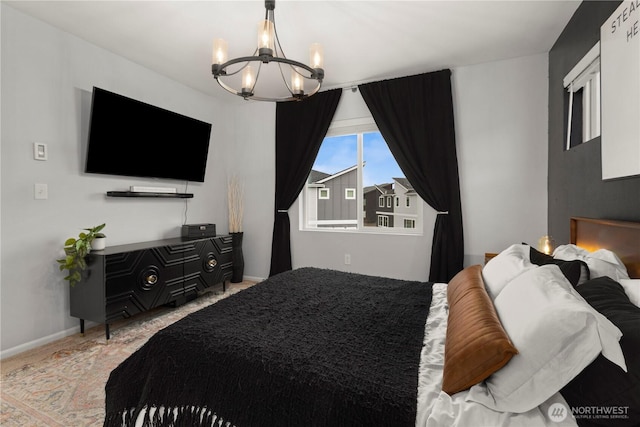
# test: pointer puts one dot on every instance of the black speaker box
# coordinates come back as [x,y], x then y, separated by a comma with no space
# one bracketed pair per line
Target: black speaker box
[198,231]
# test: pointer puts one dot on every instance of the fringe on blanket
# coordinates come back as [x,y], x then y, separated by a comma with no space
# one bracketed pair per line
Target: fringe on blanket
[167,417]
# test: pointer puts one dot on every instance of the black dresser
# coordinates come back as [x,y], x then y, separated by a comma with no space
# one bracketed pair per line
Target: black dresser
[124,280]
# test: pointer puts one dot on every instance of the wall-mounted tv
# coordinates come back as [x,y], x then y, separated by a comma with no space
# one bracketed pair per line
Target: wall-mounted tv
[131,138]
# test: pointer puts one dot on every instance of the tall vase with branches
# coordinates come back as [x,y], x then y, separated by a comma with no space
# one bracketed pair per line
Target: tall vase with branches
[235,197]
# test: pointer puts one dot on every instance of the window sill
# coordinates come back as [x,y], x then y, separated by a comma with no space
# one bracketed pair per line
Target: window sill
[377,231]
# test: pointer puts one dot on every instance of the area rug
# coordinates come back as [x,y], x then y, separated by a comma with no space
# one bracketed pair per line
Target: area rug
[63,384]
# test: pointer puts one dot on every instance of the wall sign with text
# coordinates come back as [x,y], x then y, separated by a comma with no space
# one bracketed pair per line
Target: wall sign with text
[620,75]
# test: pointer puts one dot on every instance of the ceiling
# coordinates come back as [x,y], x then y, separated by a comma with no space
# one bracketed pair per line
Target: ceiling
[363,40]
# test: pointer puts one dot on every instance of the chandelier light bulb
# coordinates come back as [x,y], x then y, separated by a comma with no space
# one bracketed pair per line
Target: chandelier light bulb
[219,51]
[265,37]
[297,82]
[248,77]
[316,56]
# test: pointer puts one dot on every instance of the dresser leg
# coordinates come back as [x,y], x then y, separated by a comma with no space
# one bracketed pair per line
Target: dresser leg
[82,326]
[106,331]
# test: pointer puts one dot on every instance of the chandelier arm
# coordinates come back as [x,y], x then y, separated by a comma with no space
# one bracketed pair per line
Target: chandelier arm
[260,98]
[284,80]
[277,42]
[255,80]
[228,88]
[266,59]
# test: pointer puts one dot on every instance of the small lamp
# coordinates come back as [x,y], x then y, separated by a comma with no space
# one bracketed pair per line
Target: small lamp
[546,245]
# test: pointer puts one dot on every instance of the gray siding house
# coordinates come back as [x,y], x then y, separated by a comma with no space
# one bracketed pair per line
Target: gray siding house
[335,197]
[371,203]
[333,202]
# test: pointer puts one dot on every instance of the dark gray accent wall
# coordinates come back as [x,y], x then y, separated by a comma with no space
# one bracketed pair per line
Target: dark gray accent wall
[575,183]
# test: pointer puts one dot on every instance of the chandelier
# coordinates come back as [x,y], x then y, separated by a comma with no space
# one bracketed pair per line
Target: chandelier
[268,59]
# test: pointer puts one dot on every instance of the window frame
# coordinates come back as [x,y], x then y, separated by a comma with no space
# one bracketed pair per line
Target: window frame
[324,190]
[584,77]
[359,127]
[383,221]
[346,193]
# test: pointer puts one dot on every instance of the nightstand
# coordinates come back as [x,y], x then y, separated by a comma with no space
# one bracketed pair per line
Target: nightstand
[488,256]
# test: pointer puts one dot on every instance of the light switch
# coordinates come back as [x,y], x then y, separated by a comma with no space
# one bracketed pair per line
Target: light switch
[40,191]
[39,151]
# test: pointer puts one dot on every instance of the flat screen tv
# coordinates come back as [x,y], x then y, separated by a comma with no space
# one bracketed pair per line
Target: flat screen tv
[132,138]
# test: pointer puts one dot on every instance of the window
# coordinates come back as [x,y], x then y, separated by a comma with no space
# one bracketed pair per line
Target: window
[583,99]
[323,194]
[350,193]
[408,202]
[356,161]
[383,221]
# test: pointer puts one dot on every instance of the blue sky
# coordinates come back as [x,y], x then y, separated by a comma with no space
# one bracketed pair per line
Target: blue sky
[341,152]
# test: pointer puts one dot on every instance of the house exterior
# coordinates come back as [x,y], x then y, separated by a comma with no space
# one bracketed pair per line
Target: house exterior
[333,202]
[405,207]
[335,198]
[384,206]
[371,203]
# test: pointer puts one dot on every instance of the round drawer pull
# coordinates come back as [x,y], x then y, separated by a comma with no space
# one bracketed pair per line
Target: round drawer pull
[209,263]
[149,277]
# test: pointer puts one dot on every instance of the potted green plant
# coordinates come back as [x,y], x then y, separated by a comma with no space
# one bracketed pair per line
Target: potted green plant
[76,250]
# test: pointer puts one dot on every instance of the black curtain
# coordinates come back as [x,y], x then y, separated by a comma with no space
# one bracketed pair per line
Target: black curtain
[300,128]
[415,116]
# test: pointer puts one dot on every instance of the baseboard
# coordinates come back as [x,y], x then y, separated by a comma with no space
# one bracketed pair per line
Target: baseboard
[68,332]
[44,340]
[253,279]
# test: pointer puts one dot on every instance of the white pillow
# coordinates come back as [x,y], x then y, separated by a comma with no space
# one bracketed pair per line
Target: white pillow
[602,262]
[557,334]
[632,289]
[504,267]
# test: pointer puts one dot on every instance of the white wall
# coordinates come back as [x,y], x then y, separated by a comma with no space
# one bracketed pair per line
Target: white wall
[501,113]
[253,158]
[47,77]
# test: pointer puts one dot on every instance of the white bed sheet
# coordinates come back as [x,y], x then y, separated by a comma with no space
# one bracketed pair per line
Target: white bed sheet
[436,408]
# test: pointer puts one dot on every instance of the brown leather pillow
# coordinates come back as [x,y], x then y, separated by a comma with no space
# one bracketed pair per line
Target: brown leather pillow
[476,345]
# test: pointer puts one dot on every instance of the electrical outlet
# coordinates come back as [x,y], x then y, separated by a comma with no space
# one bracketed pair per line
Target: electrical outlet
[40,191]
[347,259]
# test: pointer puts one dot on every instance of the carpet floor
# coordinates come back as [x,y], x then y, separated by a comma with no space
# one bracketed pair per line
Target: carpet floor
[62,384]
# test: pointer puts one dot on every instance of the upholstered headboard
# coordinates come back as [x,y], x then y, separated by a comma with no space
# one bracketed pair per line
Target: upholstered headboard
[621,237]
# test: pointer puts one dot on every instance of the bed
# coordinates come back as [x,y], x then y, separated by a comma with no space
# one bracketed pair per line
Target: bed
[317,347]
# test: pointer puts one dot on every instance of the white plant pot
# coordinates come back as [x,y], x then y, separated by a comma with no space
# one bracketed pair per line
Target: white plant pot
[99,243]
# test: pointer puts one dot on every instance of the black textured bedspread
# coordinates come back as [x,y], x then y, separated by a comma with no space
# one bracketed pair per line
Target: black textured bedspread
[309,347]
